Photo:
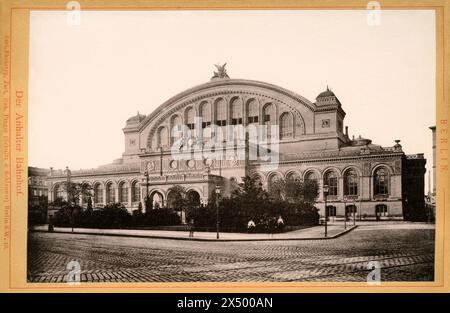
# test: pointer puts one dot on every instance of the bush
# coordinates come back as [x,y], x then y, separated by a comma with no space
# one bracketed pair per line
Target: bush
[111,216]
[294,203]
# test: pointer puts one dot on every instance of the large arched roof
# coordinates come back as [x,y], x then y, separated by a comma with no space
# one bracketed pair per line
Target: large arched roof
[213,84]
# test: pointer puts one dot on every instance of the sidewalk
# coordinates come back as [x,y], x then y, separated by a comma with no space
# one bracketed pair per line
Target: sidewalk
[311,233]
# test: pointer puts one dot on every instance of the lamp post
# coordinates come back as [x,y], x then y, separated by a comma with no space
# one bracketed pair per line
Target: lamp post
[354,211]
[72,208]
[345,213]
[146,193]
[217,210]
[325,194]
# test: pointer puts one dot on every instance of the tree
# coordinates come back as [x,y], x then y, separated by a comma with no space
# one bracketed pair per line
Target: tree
[75,191]
[180,200]
[295,190]
[310,191]
[89,204]
[148,204]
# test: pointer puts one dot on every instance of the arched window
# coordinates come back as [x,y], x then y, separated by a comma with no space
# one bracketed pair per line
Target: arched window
[257,180]
[286,129]
[269,114]
[177,129]
[190,118]
[236,111]
[193,198]
[163,137]
[135,192]
[98,193]
[59,192]
[253,112]
[269,119]
[331,179]
[310,176]
[221,113]
[110,193]
[381,181]
[273,180]
[205,113]
[292,176]
[350,183]
[157,200]
[85,193]
[123,192]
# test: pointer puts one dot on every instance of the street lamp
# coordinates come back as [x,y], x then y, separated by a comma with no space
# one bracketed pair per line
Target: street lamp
[325,194]
[345,212]
[217,210]
[146,194]
[72,208]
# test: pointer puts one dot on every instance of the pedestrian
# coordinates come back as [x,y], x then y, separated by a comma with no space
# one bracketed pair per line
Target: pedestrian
[191,228]
[251,226]
[50,224]
[280,224]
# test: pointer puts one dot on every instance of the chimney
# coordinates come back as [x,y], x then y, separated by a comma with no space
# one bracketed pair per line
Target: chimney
[346,131]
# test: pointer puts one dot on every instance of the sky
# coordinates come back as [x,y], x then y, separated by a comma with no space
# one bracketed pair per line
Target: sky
[86,80]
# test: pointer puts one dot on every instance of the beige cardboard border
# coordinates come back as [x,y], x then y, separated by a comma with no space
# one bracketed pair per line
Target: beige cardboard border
[13,212]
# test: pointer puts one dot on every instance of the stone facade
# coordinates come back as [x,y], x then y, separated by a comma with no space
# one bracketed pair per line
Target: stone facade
[172,146]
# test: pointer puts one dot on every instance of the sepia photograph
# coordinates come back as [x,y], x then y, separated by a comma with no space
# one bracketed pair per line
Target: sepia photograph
[231,146]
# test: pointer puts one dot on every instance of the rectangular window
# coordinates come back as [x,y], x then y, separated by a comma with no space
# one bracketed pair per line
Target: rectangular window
[331,211]
[381,210]
[236,121]
[267,118]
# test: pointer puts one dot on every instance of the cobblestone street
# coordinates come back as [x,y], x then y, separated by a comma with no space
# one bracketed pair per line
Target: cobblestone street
[405,252]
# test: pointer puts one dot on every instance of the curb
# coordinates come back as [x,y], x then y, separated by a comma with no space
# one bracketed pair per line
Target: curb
[199,239]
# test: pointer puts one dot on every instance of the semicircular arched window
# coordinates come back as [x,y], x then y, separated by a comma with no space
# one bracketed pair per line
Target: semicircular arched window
[331,179]
[123,192]
[135,192]
[163,137]
[190,118]
[311,176]
[252,112]
[98,193]
[59,192]
[286,126]
[381,182]
[274,181]
[110,193]
[205,114]
[236,112]
[350,183]
[221,112]
[176,131]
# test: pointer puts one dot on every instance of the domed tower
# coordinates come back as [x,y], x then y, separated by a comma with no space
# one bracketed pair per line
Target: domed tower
[131,132]
[330,115]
